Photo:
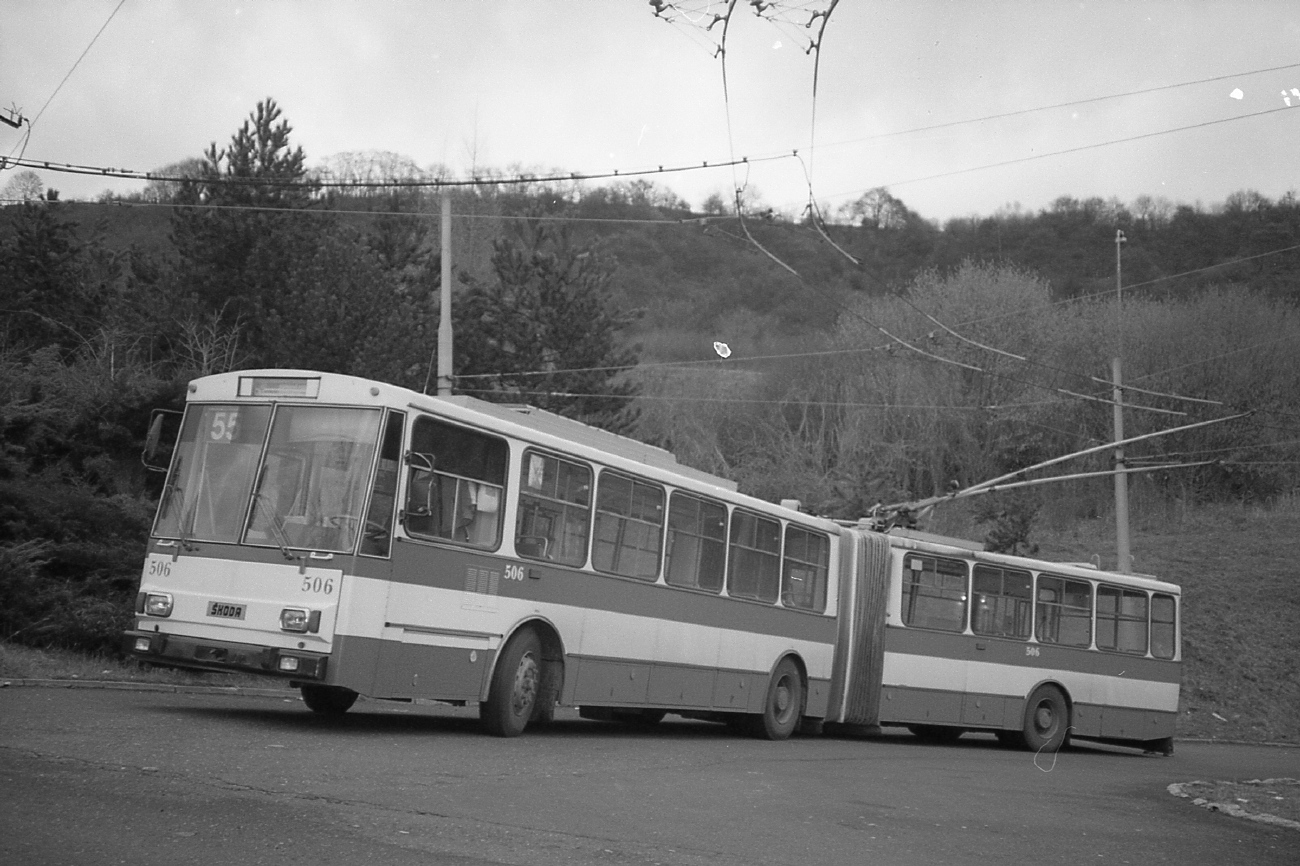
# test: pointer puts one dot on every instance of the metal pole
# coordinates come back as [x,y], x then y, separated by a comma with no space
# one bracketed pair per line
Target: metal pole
[444,297]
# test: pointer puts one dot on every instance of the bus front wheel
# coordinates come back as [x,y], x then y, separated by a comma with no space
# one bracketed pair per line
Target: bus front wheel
[1047,720]
[328,700]
[516,683]
[783,704]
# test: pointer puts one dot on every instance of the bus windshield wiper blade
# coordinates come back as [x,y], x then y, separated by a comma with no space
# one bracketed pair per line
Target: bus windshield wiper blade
[277,529]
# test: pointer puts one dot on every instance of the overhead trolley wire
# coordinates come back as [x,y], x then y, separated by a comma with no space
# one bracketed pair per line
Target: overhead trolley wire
[317,183]
[1071,104]
[7,162]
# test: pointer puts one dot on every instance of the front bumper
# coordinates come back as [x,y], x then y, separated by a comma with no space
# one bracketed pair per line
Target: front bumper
[211,655]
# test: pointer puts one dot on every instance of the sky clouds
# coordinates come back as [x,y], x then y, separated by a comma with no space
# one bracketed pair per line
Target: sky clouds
[598,85]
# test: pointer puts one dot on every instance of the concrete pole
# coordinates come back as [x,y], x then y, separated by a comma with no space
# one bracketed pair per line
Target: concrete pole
[444,296]
[1124,556]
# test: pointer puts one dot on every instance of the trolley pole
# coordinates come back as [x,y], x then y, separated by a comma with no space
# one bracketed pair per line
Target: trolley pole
[1124,556]
[444,296]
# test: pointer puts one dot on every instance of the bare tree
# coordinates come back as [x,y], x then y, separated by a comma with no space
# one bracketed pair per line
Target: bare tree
[24,186]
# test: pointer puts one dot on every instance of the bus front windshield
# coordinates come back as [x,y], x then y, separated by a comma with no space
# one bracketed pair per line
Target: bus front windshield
[307,492]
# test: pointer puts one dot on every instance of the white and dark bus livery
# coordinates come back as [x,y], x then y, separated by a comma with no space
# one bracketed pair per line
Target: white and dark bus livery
[356,538]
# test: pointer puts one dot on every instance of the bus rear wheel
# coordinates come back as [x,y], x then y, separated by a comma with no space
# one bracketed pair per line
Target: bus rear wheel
[783,705]
[516,683]
[1047,720]
[328,700]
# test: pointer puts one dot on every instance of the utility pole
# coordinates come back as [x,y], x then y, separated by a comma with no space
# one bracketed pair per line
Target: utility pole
[444,320]
[1124,556]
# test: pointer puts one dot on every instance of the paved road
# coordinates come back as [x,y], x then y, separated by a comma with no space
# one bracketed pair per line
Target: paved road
[104,776]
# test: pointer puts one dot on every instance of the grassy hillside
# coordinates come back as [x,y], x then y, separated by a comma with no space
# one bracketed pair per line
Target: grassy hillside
[1239,567]
[1240,572]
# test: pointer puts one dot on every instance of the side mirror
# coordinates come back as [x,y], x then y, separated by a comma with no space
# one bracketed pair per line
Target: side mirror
[164,429]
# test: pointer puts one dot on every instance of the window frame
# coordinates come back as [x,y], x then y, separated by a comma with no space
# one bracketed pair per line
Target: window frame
[1120,617]
[630,521]
[907,611]
[381,510]
[1021,613]
[464,498]
[564,508]
[1171,623]
[1060,607]
[741,555]
[820,569]
[700,542]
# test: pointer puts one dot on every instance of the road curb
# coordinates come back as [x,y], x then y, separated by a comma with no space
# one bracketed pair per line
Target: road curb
[1233,809]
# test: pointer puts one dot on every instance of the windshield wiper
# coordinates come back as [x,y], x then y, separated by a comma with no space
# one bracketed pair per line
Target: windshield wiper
[277,528]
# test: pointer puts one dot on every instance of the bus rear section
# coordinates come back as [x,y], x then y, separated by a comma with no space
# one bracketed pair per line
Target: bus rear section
[944,638]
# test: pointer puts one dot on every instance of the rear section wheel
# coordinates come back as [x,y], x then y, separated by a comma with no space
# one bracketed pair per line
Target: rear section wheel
[328,700]
[1047,720]
[516,683]
[783,704]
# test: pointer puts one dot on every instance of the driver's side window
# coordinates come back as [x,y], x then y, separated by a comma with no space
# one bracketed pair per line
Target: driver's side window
[455,483]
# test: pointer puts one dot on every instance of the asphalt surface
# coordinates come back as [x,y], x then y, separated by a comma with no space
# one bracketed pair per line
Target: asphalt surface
[102,775]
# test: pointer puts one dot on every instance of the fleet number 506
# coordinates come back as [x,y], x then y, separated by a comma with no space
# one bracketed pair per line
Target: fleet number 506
[318,585]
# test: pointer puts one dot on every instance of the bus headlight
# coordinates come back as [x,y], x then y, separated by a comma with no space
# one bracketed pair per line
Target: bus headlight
[296,619]
[157,604]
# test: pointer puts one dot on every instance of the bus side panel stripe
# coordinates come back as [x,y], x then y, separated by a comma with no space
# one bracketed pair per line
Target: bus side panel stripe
[1026,654]
[446,569]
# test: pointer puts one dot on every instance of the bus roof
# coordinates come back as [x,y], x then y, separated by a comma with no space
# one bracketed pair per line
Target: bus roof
[576,431]
[913,540]
[287,384]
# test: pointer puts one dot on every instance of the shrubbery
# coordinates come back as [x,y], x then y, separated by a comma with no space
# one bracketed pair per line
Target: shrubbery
[917,394]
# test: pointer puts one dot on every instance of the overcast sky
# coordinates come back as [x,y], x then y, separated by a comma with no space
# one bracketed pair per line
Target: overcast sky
[595,85]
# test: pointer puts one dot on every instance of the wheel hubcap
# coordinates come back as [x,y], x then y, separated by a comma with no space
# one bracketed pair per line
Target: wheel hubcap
[524,693]
[781,700]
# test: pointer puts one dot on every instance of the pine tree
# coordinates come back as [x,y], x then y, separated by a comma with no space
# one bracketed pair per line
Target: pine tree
[544,326]
[239,230]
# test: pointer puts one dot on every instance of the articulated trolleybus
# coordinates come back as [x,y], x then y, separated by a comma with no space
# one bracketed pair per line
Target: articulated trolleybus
[355,538]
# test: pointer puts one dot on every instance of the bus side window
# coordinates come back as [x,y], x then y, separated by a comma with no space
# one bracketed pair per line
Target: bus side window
[934,593]
[1064,611]
[697,542]
[804,568]
[1003,601]
[754,564]
[378,531]
[1163,622]
[1122,620]
[629,526]
[554,509]
[455,483]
